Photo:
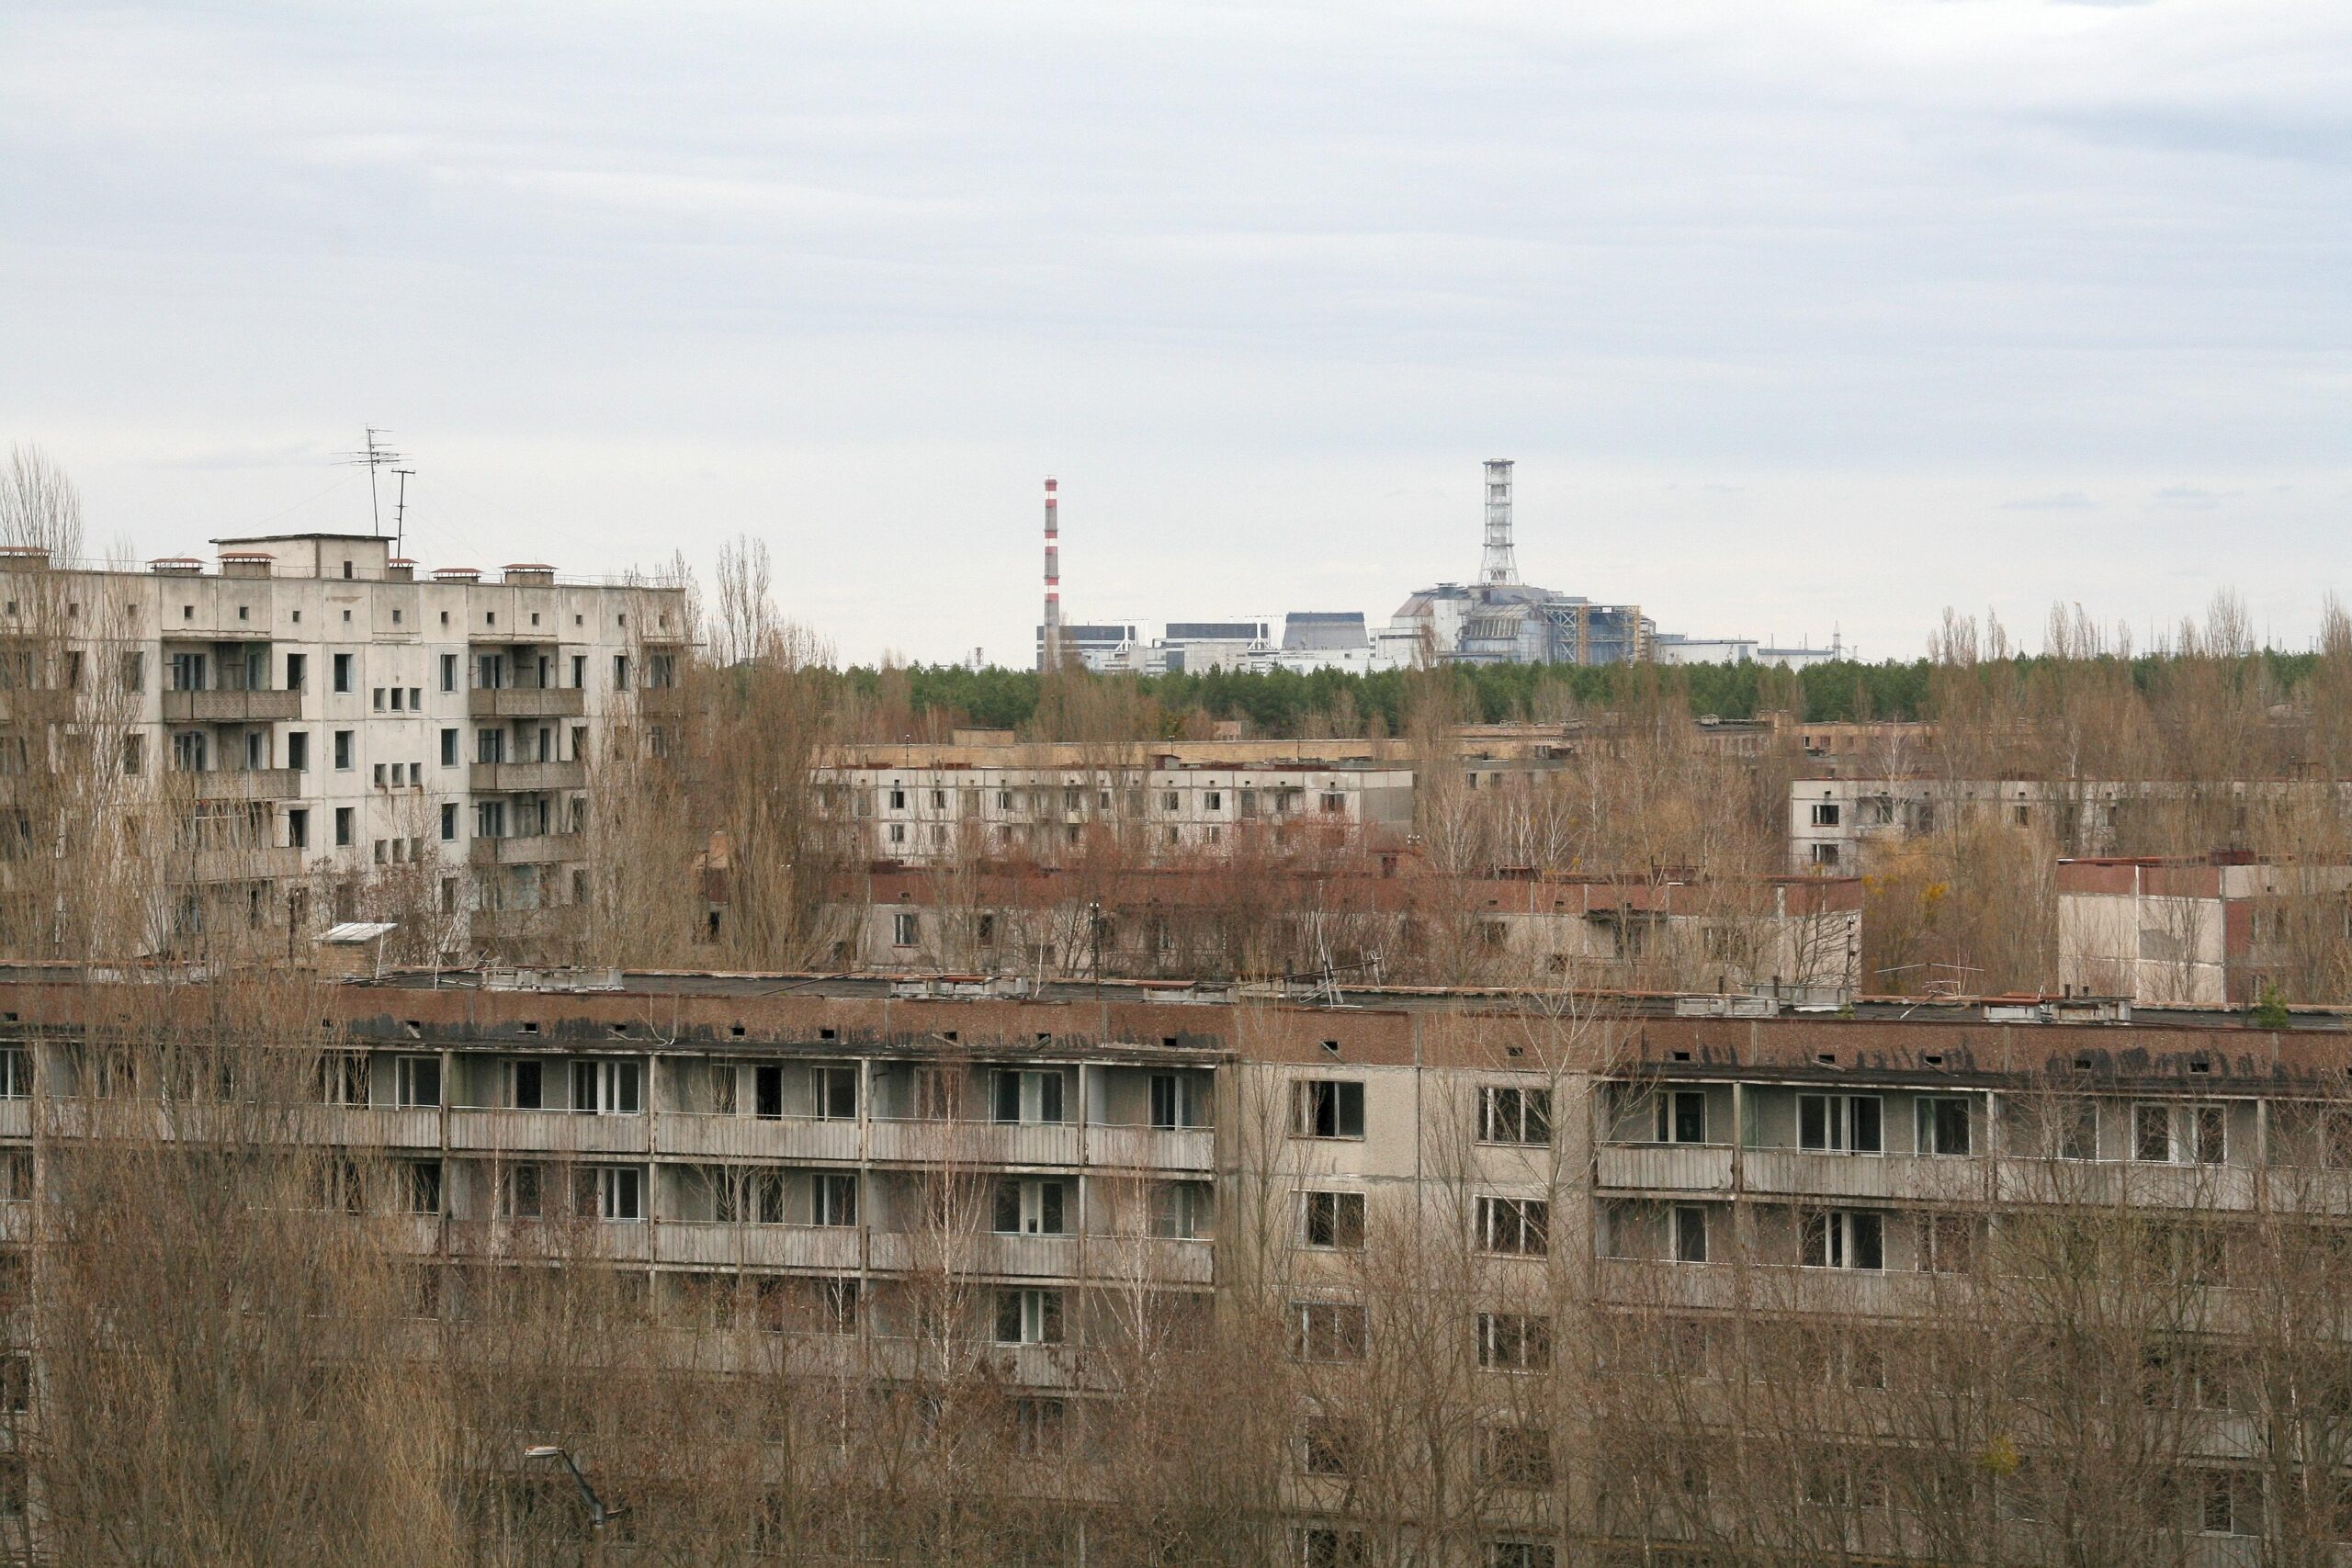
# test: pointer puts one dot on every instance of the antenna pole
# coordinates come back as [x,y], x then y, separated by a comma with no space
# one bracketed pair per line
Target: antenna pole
[375,510]
[400,511]
[374,456]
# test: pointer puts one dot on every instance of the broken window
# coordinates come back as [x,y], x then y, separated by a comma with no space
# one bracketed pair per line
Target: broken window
[1682,1117]
[1326,1107]
[1328,1331]
[1333,1220]
[1689,1223]
[418,1080]
[612,1087]
[1842,1238]
[1028,1096]
[1514,1115]
[1028,1317]
[1943,1125]
[1030,1206]
[1514,1227]
[1514,1342]
[609,1193]
[1839,1123]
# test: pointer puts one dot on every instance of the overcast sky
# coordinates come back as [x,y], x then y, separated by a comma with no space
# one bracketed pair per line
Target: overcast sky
[1795,316]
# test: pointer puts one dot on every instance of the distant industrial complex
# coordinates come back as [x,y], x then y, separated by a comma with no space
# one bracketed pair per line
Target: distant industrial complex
[1496,619]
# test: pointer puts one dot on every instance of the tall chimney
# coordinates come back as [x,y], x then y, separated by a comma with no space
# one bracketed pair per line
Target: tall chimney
[1500,563]
[1050,656]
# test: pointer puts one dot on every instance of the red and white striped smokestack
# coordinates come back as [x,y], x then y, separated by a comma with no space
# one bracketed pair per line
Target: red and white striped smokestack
[1049,657]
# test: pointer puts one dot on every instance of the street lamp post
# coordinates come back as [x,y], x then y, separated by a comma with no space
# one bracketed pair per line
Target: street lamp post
[599,1514]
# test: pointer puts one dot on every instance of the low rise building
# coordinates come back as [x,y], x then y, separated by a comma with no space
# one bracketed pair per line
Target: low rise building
[1831,819]
[1376,915]
[1149,806]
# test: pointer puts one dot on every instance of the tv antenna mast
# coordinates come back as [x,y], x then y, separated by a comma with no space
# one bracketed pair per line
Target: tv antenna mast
[372,456]
[399,510]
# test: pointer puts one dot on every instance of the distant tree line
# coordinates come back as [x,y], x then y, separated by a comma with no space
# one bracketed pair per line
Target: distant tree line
[1285,705]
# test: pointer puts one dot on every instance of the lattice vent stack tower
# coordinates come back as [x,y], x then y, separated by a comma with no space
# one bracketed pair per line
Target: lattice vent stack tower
[1500,564]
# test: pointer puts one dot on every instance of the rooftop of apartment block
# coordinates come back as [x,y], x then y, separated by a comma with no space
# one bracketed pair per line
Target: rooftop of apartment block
[2090,1042]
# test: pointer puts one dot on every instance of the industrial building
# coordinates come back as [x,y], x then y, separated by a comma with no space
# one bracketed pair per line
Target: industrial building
[1708,1269]
[1496,619]
[1500,620]
[1672,647]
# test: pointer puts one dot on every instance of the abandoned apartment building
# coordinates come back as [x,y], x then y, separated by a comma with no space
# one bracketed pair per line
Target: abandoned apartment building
[1677,1156]
[329,713]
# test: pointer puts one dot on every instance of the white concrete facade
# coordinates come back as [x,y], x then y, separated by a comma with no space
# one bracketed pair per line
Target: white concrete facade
[333,715]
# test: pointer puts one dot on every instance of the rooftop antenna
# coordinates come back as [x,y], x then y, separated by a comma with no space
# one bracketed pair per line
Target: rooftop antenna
[372,456]
[399,510]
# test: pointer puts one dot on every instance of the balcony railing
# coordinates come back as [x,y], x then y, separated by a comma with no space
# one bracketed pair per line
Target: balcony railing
[257,864]
[832,1247]
[367,1126]
[780,1138]
[1151,1148]
[509,778]
[245,783]
[555,1132]
[628,1241]
[526,848]
[1644,1282]
[1671,1168]
[144,1118]
[1707,1168]
[2166,1186]
[1158,1260]
[944,1143]
[525,702]
[263,707]
[1940,1179]
[416,1235]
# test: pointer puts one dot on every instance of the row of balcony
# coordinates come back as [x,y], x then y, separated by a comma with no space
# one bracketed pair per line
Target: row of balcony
[285,783]
[266,705]
[526,701]
[283,862]
[1707,1170]
[840,1249]
[943,1144]
[257,862]
[261,705]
